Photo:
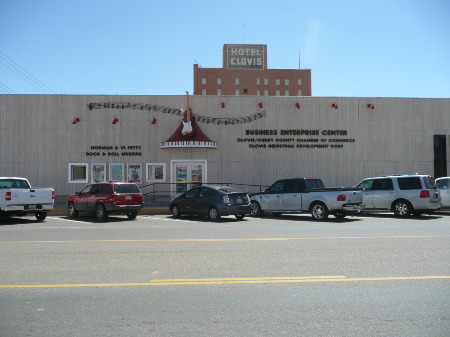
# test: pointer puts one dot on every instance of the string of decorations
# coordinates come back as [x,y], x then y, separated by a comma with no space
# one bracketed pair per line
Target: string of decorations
[178,112]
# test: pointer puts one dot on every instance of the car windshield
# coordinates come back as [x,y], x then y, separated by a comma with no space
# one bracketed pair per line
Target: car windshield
[126,188]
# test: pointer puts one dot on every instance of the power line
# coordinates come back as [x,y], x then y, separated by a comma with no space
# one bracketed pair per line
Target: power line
[25,75]
[5,89]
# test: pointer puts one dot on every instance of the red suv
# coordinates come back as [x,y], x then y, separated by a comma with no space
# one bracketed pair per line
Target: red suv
[107,198]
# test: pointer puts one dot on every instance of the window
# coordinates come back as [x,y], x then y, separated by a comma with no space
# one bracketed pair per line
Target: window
[277,93]
[245,91]
[78,173]
[443,184]
[156,172]
[266,92]
[126,188]
[410,183]
[286,82]
[366,185]
[98,172]
[219,81]
[299,93]
[116,172]
[300,83]
[277,187]
[266,81]
[382,184]
[236,81]
[277,81]
[236,92]
[286,93]
[134,173]
[219,92]
[292,186]
[203,81]
[258,92]
[95,189]
[258,81]
[105,189]
[203,92]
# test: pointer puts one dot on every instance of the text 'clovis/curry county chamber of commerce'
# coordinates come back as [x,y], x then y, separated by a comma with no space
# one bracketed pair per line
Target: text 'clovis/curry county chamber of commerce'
[296,139]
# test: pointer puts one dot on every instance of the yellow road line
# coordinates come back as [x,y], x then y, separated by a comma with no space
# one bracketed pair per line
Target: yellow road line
[220,281]
[240,239]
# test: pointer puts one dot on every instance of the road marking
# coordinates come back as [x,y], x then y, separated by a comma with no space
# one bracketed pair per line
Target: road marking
[220,281]
[241,239]
[70,220]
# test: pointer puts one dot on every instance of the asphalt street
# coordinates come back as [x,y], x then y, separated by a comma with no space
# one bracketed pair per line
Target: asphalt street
[273,276]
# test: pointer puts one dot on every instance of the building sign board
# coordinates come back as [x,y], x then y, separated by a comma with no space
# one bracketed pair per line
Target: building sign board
[245,56]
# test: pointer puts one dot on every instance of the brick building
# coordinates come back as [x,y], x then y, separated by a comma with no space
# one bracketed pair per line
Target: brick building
[245,72]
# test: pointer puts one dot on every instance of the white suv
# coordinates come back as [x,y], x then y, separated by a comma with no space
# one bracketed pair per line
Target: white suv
[403,194]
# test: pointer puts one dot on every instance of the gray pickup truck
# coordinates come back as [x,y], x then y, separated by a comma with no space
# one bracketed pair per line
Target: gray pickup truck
[307,195]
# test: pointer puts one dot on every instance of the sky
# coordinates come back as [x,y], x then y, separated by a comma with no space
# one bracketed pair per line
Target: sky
[354,48]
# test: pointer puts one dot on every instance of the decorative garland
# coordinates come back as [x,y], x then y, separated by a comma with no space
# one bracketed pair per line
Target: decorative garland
[178,112]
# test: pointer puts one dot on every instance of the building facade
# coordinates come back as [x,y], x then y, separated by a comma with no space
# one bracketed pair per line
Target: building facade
[245,72]
[65,142]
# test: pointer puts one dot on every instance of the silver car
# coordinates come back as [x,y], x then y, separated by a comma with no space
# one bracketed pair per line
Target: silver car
[402,194]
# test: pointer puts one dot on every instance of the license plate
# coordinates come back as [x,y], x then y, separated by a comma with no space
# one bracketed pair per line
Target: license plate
[128,197]
[239,201]
[31,206]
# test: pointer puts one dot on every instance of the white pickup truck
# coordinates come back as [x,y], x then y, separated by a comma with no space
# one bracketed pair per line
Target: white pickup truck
[17,197]
[307,195]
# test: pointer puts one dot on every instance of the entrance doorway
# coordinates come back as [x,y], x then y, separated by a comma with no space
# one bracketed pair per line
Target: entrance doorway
[440,156]
[187,174]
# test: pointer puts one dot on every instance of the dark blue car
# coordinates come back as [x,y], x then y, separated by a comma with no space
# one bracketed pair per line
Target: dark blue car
[212,201]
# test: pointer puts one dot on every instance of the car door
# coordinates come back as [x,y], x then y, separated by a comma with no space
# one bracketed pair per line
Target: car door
[382,193]
[366,186]
[91,198]
[272,199]
[206,198]
[81,198]
[189,201]
[292,198]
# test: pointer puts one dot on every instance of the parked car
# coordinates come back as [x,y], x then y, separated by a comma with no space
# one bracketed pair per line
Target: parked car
[212,201]
[444,187]
[17,197]
[107,198]
[307,195]
[402,194]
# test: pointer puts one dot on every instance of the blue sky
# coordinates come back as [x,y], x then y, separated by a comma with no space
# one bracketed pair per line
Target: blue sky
[378,48]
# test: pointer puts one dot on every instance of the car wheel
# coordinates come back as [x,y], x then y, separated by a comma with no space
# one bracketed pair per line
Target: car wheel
[176,211]
[240,216]
[132,215]
[213,214]
[72,211]
[402,208]
[319,211]
[100,213]
[40,215]
[255,209]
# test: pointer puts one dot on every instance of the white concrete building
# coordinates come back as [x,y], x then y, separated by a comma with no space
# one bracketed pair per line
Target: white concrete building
[65,141]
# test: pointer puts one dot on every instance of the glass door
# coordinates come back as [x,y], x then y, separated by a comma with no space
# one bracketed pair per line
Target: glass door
[188,175]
